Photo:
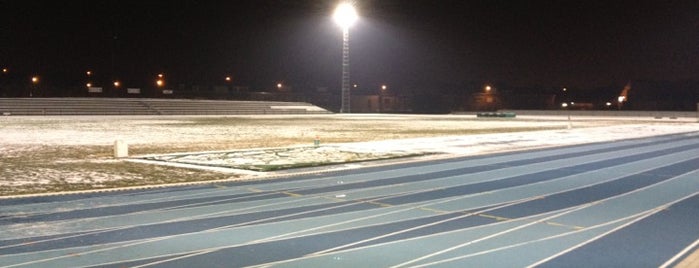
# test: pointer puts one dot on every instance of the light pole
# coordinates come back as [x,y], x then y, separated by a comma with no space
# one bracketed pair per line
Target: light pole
[345,15]
[620,101]
[382,92]
[88,84]
[488,98]
[116,84]
[160,82]
[229,81]
[35,82]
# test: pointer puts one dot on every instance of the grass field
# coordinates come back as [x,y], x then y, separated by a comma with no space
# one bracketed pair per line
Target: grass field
[50,154]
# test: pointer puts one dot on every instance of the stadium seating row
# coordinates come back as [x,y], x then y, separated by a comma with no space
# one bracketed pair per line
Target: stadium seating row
[121,106]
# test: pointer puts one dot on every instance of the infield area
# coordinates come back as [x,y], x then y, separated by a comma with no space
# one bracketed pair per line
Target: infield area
[67,153]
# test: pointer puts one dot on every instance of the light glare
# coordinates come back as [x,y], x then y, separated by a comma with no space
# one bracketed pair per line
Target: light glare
[345,15]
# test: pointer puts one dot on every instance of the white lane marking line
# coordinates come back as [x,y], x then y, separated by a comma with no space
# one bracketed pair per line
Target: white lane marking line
[409,206]
[579,207]
[201,216]
[419,227]
[567,211]
[652,212]
[167,209]
[208,250]
[680,254]
[535,241]
[403,240]
[155,239]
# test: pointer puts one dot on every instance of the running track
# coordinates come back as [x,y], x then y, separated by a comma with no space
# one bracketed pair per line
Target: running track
[631,203]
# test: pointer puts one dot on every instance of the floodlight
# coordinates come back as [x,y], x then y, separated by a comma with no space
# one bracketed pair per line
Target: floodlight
[345,15]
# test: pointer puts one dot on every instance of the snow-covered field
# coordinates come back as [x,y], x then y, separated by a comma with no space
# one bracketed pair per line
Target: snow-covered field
[46,154]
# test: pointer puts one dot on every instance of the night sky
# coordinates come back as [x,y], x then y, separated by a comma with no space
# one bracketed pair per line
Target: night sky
[406,44]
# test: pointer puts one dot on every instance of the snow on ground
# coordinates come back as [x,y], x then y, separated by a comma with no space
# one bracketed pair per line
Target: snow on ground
[104,130]
[256,159]
[24,136]
[488,143]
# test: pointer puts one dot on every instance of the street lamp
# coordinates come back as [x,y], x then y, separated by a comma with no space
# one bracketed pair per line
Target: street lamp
[160,82]
[89,82]
[35,82]
[345,15]
[487,99]
[621,100]
[382,92]
[565,106]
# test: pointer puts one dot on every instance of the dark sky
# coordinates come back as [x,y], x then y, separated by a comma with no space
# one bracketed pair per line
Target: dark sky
[403,43]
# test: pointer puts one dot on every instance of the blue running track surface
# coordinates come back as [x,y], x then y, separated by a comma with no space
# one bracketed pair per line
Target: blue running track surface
[631,203]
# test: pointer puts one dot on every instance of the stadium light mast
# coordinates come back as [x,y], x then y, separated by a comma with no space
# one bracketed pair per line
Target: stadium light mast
[345,15]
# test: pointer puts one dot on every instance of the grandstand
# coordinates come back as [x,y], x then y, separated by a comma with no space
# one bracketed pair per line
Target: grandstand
[122,106]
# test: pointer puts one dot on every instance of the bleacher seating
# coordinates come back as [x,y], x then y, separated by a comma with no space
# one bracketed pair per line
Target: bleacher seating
[117,106]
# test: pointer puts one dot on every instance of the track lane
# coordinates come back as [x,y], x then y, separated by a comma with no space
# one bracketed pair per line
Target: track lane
[438,216]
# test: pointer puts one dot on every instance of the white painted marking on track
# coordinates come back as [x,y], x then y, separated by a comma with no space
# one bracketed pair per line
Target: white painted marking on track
[650,213]
[680,254]
[420,227]
[566,211]
[533,241]
[582,206]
